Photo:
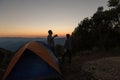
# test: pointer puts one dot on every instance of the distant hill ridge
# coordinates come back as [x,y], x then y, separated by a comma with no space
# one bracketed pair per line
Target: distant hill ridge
[4,52]
[14,44]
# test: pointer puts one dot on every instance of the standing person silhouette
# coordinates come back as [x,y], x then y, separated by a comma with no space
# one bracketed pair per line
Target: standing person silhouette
[67,48]
[50,40]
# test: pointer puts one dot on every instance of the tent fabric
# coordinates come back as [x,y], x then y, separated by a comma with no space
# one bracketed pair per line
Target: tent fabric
[31,62]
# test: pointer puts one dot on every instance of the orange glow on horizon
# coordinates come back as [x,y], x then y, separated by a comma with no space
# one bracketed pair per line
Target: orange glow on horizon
[33,32]
[31,35]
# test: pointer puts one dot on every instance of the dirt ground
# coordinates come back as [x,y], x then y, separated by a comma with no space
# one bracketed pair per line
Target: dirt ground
[76,70]
[80,68]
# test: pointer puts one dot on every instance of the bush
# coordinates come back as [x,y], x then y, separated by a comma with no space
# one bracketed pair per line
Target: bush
[59,50]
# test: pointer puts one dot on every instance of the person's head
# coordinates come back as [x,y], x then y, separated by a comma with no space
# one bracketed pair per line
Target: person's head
[67,35]
[50,32]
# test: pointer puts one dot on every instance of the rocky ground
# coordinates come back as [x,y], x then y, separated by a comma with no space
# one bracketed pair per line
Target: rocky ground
[100,66]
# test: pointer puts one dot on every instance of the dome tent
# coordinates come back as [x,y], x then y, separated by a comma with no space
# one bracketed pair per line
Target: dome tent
[33,61]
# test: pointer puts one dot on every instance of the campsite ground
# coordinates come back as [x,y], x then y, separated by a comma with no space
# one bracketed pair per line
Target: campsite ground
[74,71]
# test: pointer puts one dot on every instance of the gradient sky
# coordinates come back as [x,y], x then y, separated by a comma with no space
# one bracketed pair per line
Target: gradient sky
[33,18]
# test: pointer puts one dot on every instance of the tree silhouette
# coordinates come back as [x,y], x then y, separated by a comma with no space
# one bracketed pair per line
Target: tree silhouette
[113,3]
[102,30]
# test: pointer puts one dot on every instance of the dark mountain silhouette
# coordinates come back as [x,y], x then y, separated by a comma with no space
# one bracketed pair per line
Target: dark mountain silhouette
[3,53]
[14,44]
[5,56]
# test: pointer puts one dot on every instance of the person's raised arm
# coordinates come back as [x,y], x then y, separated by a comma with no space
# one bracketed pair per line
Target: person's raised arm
[55,36]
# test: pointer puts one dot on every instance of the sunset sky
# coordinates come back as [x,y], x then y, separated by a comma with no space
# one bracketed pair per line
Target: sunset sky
[33,18]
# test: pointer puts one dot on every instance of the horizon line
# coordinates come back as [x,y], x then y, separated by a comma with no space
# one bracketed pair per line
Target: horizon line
[29,37]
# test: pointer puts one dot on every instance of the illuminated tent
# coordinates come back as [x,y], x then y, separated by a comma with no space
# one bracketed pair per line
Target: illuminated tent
[33,61]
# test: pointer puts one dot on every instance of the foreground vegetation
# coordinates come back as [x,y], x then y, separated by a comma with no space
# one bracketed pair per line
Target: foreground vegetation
[5,57]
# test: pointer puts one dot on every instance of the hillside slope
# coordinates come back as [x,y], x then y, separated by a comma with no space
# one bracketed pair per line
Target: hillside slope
[5,57]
